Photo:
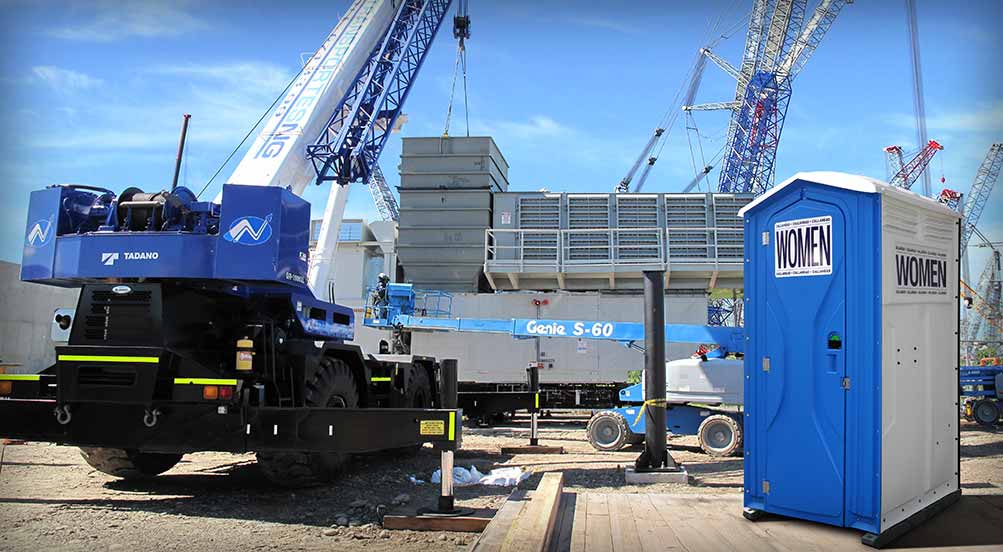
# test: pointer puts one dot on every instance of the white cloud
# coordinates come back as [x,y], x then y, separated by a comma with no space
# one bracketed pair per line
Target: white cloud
[116,19]
[65,80]
[981,118]
[256,76]
[538,126]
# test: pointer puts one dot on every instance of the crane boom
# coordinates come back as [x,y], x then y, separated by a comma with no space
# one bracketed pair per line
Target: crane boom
[624,185]
[982,187]
[907,173]
[385,201]
[278,155]
[348,147]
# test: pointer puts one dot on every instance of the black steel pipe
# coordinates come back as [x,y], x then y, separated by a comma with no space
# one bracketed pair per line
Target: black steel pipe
[446,503]
[448,386]
[655,455]
[181,150]
[534,413]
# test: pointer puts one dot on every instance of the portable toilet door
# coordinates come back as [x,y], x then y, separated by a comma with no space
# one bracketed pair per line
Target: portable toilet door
[821,444]
[799,304]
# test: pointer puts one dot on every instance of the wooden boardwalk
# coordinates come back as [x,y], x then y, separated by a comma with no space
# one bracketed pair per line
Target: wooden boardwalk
[597,522]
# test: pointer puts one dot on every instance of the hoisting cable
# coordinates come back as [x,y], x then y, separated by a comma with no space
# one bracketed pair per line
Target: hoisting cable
[251,131]
[461,32]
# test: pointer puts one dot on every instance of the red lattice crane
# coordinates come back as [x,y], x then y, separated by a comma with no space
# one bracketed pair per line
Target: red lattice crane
[903,174]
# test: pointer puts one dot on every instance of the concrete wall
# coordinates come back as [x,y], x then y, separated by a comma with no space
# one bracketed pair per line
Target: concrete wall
[495,358]
[26,320]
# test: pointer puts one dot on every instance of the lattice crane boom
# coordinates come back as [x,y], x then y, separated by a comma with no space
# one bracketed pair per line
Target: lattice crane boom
[908,172]
[385,201]
[777,48]
[982,187]
[348,148]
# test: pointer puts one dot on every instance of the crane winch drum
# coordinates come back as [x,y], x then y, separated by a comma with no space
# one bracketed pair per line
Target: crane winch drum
[851,326]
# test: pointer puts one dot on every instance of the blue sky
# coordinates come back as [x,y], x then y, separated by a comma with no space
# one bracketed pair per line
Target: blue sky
[94,90]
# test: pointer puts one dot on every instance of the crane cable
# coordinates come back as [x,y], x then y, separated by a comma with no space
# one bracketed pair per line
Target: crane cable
[461,31]
[461,63]
[694,76]
[251,131]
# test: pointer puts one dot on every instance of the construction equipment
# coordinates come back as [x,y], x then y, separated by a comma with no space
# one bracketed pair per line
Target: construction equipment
[707,379]
[777,47]
[196,327]
[904,174]
[624,185]
[978,195]
[986,324]
[982,391]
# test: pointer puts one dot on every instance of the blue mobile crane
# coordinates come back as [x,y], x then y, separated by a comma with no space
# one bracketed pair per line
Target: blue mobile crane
[199,324]
[704,394]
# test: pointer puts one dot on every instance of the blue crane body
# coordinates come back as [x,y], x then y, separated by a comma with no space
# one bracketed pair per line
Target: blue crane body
[198,327]
[395,308]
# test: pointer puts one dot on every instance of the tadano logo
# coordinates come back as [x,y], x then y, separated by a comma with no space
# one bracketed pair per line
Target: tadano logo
[40,233]
[250,230]
[108,259]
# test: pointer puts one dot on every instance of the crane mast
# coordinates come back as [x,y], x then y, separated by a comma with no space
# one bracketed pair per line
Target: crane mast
[778,44]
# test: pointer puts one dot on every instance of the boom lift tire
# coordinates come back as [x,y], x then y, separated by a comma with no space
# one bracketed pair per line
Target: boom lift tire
[129,464]
[720,435]
[333,386]
[986,412]
[608,431]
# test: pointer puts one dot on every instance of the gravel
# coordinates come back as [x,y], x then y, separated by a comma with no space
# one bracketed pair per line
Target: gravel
[50,499]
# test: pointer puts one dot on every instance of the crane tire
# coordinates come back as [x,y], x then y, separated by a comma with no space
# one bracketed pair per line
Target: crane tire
[417,395]
[129,463]
[720,435]
[332,386]
[608,431]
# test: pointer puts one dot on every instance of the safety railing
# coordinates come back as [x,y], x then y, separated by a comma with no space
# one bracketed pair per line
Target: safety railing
[543,250]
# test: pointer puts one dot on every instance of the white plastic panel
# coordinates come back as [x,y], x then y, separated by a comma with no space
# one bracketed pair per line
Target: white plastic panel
[919,385]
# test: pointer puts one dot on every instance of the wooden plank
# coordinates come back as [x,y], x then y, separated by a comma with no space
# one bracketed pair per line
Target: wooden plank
[579,523]
[622,527]
[534,527]
[598,536]
[565,523]
[695,533]
[725,515]
[463,524]
[494,534]
[655,535]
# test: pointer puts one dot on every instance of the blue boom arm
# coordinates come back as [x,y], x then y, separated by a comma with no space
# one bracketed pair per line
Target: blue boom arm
[399,312]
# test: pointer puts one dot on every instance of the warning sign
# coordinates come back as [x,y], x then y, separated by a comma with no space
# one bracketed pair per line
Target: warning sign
[920,271]
[803,247]
[432,427]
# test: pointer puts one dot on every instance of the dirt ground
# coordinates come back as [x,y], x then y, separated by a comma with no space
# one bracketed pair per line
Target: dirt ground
[50,499]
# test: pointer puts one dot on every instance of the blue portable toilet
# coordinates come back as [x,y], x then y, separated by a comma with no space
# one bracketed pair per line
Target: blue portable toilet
[851,368]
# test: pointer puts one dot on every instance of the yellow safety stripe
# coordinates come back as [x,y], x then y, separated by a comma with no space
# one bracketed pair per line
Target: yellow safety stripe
[20,377]
[379,379]
[537,400]
[90,358]
[204,381]
[452,426]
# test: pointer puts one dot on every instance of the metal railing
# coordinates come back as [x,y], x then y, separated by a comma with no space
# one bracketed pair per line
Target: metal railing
[541,250]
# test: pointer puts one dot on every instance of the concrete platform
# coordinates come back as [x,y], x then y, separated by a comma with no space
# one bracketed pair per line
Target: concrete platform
[712,523]
[646,478]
